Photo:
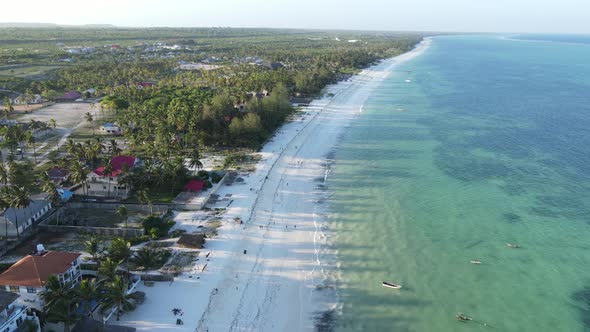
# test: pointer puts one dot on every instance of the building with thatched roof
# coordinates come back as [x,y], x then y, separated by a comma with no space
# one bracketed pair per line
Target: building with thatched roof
[194,240]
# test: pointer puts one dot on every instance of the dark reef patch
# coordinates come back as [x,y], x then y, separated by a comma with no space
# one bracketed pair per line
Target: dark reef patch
[512,217]
[583,298]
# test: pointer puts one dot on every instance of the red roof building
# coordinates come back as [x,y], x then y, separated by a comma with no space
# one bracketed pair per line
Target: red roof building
[194,185]
[118,163]
[34,270]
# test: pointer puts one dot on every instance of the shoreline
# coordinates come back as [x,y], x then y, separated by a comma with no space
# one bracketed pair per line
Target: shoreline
[269,273]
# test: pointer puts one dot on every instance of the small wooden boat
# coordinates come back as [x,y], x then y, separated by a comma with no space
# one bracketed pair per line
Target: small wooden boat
[391,285]
[477,262]
[463,317]
[512,245]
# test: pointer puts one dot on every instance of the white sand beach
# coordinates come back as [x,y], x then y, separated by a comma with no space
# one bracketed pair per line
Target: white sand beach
[274,285]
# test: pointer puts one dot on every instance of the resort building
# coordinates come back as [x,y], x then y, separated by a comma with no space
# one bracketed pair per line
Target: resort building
[24,218]
[12,314]
[28,276]
[107,184]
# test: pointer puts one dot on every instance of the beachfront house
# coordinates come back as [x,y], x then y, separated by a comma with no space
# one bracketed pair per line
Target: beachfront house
[13,315]
[58,175]
[28,276]
[110,128]
[108,184]
[23,217]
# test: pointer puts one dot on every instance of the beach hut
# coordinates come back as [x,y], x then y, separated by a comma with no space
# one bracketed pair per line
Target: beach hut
[193,241]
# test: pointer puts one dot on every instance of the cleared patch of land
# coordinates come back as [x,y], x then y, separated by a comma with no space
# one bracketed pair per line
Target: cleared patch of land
[26,71]
[66,115]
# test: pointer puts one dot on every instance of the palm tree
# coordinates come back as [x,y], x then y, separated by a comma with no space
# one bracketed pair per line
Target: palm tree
[114,148]
[116,297]
[8,107]
[120,250]
[92,247]
[107,172]
[89,119]
[144,198]
[147,257]
[4,174]
[31,140]
[3,206]
[17,198]
[195,161]
[107,270]
[99,145]
[50,188]
[123,213]
[87,292]
[71,146]
[79,174]
[52,123]
[60,302]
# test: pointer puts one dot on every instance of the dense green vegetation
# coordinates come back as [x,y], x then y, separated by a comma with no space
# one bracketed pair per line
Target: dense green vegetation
[197,106]
[236,95]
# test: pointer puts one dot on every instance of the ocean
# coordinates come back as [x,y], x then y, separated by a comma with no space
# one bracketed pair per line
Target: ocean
[479,142]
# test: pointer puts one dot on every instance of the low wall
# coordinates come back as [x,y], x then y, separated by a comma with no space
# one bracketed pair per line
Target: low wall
[156,208]
[156,277]
[121,232]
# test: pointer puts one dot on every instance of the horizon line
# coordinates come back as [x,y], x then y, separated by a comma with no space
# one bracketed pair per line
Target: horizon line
[39,25]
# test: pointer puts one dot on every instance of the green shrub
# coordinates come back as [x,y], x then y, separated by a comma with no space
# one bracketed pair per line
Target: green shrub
[148,258]
[157,227]
[233,158]
[138,239]
[215,178]
[204,175]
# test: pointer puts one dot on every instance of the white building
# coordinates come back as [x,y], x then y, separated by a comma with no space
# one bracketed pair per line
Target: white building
[101,183]
[28,276]
[12,314]
[23,217]
[110,128]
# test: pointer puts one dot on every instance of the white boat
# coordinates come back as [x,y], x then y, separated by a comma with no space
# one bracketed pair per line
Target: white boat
[408,81]
[512,245]
[475,262]
[391,285]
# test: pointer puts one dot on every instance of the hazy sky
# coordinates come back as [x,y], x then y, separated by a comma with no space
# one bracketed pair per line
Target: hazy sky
[432,15]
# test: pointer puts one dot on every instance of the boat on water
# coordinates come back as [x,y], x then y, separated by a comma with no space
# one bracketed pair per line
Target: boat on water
[512,245]
[475,261]
[463,317]
[408,81]
[391,285]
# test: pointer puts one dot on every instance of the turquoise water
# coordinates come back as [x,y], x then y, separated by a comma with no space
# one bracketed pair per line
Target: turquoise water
[492,147]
